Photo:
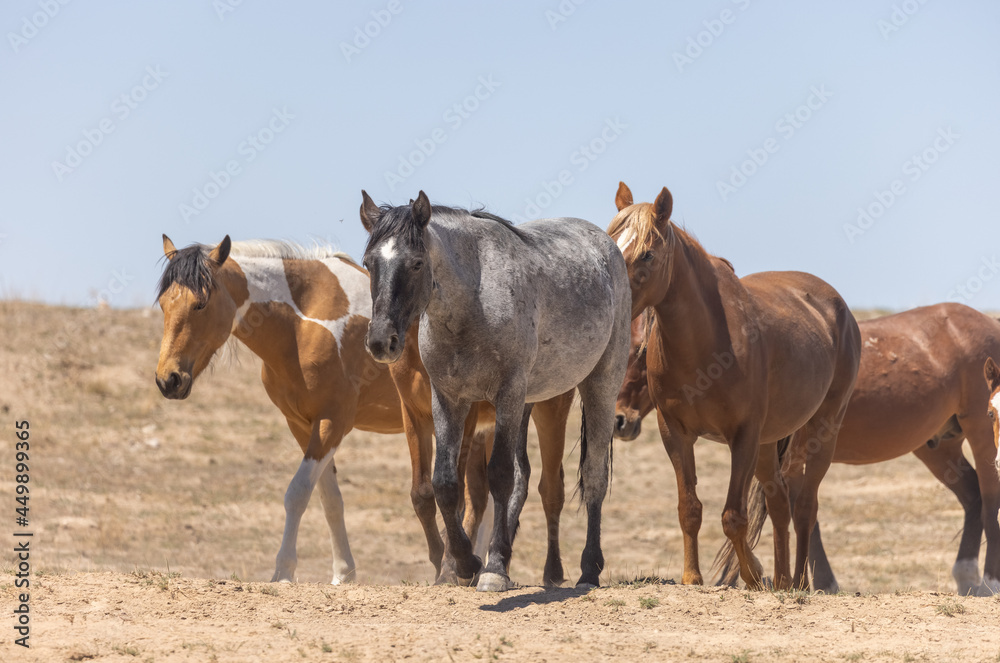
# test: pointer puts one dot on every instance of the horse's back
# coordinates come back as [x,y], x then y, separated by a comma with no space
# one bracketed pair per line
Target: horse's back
[550,295]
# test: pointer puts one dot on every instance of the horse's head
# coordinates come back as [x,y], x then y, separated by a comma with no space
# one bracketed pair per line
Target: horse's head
[645,238]
[634,402]
[397,261]
[992,374]
[198,314]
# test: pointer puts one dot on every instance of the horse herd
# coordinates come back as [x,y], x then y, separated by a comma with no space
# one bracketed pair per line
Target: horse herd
[460,327]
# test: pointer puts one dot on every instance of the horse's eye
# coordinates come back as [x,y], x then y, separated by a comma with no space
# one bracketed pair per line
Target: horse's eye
[992,414]
[418,265]
[201,304]
[647,256]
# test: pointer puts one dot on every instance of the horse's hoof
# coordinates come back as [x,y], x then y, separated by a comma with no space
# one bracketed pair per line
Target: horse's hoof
[552,583]
[493,582]
[586,585]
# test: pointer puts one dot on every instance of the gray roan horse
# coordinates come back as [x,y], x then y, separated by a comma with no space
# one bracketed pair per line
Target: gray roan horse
[512,316]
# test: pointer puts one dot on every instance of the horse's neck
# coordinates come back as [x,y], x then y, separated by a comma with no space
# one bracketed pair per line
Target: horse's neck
[690,318]
[452,291]
[265,329]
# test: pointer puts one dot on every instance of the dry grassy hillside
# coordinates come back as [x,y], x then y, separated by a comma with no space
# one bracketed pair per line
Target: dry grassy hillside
[125,479]
[156,524]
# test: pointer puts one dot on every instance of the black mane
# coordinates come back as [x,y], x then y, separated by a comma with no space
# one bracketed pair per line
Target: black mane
[398,222]
[189,268]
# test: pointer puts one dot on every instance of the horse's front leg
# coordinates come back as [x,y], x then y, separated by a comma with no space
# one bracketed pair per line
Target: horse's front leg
[449,427]
[508,473]
[318,455]
[680,450]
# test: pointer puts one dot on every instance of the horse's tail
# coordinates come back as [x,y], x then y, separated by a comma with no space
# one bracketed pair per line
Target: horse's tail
[580,488]
[726,562]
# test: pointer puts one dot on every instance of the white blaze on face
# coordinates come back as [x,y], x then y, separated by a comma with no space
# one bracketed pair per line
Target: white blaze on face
[995,401]
[388,249]
[626,238]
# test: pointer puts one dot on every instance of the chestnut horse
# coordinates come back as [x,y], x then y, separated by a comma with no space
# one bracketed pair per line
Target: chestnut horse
[305,314]
[918,389]
[783,349]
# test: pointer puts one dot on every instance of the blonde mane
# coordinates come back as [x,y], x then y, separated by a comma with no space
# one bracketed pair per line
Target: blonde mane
[635,227]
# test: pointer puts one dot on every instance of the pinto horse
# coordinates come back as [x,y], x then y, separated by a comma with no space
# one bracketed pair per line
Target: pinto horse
[787,350]
[511,316]
[305,314]
[918,390]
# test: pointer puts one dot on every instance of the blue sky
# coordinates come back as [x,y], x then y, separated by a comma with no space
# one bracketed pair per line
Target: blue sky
[119,120]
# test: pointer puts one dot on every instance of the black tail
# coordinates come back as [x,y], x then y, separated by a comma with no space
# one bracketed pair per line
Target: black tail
[580,489]
[726,563]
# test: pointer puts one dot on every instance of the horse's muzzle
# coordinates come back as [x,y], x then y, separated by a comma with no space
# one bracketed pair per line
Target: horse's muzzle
[176,386]
[627,426]
[384,348]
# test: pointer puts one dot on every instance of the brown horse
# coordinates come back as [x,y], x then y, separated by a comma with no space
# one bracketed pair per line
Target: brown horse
[918,389]
[782,352]
[305,314]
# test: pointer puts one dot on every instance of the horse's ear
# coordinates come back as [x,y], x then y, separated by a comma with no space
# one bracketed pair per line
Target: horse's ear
[370,212]
[219,254]
[422,209]
[663,206]
[169,249]
[624,197]
[992,374]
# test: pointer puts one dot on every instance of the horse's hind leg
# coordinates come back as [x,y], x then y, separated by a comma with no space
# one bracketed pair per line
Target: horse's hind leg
[822,574]
[778,508]
[744,448]
[477,490]
[810,455]
[949,465]
[333,507]
[550,421]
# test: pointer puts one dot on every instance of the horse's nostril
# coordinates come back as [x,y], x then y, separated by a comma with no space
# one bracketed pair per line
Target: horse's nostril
[173,382]
[620,422]
[393,342]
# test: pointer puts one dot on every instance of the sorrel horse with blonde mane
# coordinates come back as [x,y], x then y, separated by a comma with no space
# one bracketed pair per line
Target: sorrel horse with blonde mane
[918,390]
[305,313]
[787,348]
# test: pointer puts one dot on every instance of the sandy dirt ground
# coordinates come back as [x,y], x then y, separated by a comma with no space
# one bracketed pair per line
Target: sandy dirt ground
[156,524]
